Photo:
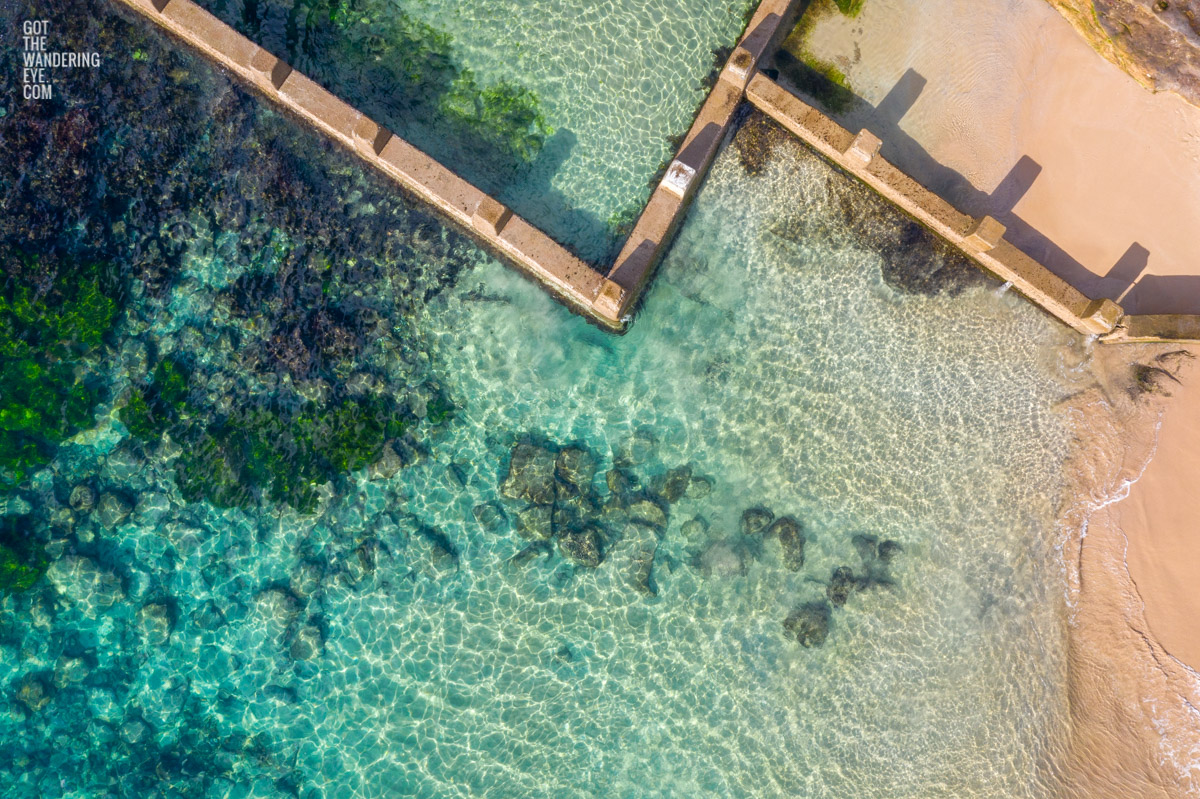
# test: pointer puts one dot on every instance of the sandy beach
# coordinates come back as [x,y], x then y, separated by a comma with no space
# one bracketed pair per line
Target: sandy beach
[1132,570]
[1001,108]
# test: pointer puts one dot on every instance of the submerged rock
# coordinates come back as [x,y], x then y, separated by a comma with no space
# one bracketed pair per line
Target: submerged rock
[648,512]
[209,616]
[582,547]
[155,622]
[888,550]
[82,581]
[436,555]
[791,539]
[621,483]
[134,731]
[276,610]
[672,485]
[535,522]
[33,693]
[694,529]
[698,488]
[576,467]
[112,509]
[723,558]
[531,552]
[809,624]
[530,475]
[306,578]
[490,516]
[636,449]
[388,466]
[865,545]
[641,542]
[308,643]
[756,520]
[841,585]
[70,671]
[572,511]
[83,498]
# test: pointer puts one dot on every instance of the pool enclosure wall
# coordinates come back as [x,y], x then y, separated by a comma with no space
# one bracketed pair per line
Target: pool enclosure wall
[610,299]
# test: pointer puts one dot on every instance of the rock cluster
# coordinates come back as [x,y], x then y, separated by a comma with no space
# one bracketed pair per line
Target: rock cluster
[761,530]
[809,623]
[556,505]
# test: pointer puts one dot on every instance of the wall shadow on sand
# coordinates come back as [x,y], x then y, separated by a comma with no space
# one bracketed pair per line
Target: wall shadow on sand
[1122,281]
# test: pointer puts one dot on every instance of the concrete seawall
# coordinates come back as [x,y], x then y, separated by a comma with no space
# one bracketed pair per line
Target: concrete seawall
[660,219]
[981,239]
[488,220]
[607,300]
[611,299]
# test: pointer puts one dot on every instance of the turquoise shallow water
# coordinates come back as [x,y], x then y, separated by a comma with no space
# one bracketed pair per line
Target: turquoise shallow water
[803,348]
[615,80]
[798,379]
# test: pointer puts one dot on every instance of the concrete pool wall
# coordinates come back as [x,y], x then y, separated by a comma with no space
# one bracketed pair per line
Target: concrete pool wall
[606,299]
[610,299]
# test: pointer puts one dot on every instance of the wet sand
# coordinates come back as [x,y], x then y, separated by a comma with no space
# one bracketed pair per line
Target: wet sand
[1133,573]
[1001,108]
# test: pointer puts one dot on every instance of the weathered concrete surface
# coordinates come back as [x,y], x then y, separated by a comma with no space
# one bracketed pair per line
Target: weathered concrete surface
[1155,41]
[1161,327]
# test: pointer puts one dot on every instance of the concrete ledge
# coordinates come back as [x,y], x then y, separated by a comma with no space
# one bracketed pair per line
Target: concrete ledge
[739,68]
[491,216]
[209,33]
[370,137]
[267,71]
[325,111]
[862,150]
[984,234]
[611,299]
[430,180]
[1102,316]
[150,6]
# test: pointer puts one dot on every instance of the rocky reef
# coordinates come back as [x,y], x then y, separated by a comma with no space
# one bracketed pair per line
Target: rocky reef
[199,359]
[554,501]
[1156,41]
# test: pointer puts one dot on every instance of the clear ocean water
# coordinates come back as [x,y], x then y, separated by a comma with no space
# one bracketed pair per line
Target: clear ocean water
[804,350]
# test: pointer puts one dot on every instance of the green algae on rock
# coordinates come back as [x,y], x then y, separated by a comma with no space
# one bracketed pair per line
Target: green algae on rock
[22,561]
[271,453]
[51,321]
[152,409]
